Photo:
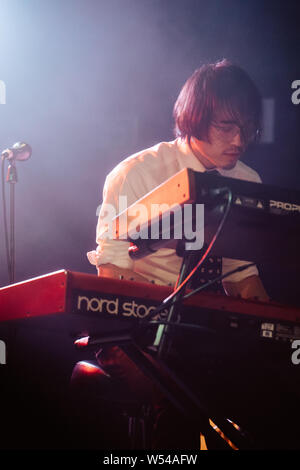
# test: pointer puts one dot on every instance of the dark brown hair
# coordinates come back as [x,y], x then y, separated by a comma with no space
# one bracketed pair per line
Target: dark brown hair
[211,89]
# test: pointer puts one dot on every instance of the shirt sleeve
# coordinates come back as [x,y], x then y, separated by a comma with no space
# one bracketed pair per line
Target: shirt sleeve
[110,250]
[229,264]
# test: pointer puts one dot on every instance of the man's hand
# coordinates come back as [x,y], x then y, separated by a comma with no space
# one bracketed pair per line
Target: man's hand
[249,288]
[114,272]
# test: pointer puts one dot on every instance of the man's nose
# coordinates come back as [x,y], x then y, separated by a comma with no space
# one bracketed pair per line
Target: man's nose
[238,139]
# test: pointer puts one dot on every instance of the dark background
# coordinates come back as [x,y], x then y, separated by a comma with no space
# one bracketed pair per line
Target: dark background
[90,82]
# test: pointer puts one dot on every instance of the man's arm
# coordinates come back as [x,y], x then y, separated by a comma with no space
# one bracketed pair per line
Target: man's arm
[114,272]
[249,288]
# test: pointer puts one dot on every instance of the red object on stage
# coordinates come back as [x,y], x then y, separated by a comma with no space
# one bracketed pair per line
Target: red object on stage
[65,292]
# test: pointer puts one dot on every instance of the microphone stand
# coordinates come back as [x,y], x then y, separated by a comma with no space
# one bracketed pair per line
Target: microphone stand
[19,151]
[12,179]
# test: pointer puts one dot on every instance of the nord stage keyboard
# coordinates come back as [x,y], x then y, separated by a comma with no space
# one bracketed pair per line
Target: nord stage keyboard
[79,302]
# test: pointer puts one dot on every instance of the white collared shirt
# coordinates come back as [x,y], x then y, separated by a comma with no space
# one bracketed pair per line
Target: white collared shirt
[136,176]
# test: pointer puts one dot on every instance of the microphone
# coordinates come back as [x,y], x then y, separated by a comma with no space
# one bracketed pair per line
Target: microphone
[19,151]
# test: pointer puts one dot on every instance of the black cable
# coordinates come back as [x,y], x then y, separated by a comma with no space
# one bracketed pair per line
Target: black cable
[177,289]
[204,286]
[168,300]
[219,278]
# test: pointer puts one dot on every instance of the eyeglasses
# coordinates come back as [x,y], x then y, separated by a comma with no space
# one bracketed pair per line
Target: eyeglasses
[228,130]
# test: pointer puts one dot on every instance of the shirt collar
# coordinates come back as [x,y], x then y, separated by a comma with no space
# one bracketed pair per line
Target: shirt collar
[187,156]
[191,161]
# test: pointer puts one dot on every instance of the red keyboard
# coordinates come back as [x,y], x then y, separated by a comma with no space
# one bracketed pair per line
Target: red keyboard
[86,296]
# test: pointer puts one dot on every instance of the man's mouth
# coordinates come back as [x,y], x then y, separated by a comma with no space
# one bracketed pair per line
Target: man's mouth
[232,154]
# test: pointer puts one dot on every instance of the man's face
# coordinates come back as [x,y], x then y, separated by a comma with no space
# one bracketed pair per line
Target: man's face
[226,142]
